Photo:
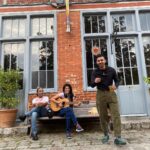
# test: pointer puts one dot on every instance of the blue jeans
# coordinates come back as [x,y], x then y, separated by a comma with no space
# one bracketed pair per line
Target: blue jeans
[35,113]
[70,116]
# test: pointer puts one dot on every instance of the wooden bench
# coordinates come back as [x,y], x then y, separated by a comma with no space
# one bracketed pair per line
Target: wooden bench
[83,111]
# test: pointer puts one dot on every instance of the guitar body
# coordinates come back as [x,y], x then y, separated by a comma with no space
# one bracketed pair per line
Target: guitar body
[55,107]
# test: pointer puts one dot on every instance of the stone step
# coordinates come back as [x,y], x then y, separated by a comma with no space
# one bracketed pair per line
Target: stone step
[128,123]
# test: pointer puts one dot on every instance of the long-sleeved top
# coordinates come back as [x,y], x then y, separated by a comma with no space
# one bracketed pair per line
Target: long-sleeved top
[108,75]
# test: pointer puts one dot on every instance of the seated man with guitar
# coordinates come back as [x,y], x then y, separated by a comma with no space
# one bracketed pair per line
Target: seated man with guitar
[62,104]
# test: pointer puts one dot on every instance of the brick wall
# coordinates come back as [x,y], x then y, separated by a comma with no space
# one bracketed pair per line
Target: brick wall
[10,2]
[69,44]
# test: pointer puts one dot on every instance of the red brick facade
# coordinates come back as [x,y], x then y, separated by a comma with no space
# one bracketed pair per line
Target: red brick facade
[69,44]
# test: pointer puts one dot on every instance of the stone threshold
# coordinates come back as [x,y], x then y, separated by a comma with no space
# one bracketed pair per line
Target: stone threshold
[128,123]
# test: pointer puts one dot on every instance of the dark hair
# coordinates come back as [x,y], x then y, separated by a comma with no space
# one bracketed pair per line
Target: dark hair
[37,89]
[99,55]
[70,96]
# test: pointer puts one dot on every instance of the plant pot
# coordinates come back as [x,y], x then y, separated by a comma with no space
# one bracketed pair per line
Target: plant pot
[7,117]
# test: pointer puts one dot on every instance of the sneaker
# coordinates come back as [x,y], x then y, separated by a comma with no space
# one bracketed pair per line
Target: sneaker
[120,141]
[22,118]
[34,137]
[105,139]
[79,128]
[68,135]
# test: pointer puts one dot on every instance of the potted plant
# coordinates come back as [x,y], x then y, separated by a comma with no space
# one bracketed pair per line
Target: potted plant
[9,84]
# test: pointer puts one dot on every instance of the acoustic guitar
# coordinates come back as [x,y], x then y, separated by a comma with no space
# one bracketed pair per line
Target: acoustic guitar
[65,103]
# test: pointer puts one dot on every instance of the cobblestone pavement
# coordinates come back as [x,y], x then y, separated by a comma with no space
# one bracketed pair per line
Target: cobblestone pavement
[137,140]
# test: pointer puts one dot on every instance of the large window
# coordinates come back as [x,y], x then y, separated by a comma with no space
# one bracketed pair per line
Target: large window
[112,35]
[146,48]
[13,50]
[94,25]
[42,52]
[31,50]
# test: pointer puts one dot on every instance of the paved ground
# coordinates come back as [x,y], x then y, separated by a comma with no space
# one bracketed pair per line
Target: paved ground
[137,140]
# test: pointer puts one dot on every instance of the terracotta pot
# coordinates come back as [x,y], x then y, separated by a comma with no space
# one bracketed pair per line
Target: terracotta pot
[7,118]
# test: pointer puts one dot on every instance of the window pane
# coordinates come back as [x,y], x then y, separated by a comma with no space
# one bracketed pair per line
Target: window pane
[42,79]
[34,79]
[145,21]
[50,26]
[42,26]
[35,56]
[7,28]
[35,26]
[22,26]
[146,48]
[42,55]
[135,76]
[87,22]
[14,27]
[20,57]
[121,76]
[14,56]
[95,24]
[102,27]
[89,74]
[128,77]
[89,57]
[50,79]
[50,56]
[118,53]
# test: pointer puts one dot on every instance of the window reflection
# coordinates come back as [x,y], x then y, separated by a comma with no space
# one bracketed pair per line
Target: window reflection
[14,57]
[42,26]
[123,23]
[42,64]
[95,24]
[14,27]
[126,61]
[90,59]
[146,48]
[145,21]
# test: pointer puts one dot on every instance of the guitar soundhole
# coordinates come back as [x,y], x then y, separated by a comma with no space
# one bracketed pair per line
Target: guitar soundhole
[63,104]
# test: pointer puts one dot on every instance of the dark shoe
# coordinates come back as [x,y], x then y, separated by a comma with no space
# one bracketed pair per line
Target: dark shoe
[34,136]
[50,113]
[22,118]
[79,128]
[105,139]
[68,135]
[120,141]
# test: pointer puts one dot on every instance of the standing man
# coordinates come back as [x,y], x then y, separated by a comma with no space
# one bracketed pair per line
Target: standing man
[103,78]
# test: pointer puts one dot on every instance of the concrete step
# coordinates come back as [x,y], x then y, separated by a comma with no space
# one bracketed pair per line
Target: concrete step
[89,124]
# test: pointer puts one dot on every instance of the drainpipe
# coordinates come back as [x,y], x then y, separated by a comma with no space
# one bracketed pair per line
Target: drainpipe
[67,16]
